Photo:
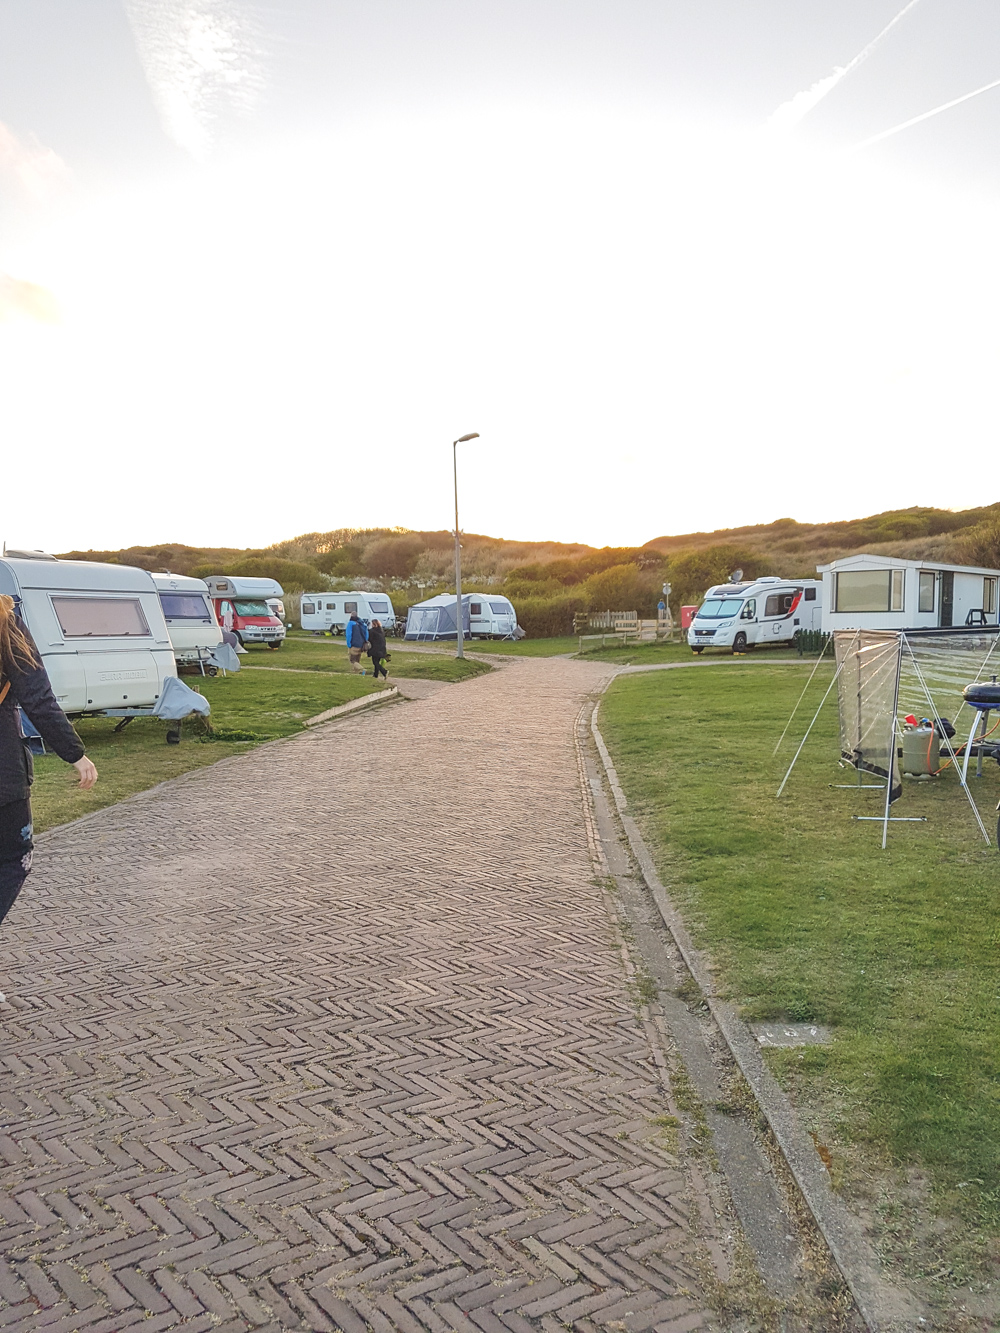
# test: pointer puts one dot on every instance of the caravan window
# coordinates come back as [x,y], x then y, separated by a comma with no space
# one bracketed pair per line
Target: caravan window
[378,608]
[252,608]
[100,617]
[925,590]
[185,606]
[308,609]
[475,608]
[719,606]
[869,590]
[350,608]
[500,608]
[810,594]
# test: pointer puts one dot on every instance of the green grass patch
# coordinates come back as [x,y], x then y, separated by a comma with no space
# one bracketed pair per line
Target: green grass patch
[651,654]
[525,647]
[318,653]
[247,708]
[807,919]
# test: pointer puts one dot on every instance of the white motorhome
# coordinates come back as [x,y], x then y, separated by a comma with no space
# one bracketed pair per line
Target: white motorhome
[766,611]
[194,631]
[322,611]
[99,630]
[883,592]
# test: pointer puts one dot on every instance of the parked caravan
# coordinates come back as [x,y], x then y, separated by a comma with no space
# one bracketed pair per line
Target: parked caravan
[484,616]
[99,629]
[322,611]
[764,611]
[191,623]
[883,592]
[240,605]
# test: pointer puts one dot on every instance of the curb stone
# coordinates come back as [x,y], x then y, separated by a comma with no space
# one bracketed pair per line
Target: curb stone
[884,1307]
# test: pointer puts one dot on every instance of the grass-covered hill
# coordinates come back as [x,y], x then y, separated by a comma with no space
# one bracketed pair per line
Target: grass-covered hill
[550,581]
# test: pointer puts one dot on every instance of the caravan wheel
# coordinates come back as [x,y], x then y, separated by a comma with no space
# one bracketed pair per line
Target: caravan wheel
[275,646]
[740,643]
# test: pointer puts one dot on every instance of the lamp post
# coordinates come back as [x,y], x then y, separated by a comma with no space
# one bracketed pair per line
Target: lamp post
[458,546]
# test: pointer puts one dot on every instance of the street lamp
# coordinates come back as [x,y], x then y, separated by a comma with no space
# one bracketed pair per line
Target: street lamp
[458,546]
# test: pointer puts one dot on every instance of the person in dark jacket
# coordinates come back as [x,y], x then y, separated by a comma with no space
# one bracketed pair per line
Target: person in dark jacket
[376,648]
[356,634]
[24,681]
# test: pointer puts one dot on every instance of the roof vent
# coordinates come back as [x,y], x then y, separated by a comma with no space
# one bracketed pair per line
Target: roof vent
[28,555]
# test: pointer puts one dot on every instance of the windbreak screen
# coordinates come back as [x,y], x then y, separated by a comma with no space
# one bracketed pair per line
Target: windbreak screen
[868,663]
[944,663]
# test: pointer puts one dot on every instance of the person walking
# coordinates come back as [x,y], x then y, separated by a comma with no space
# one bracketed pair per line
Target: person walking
[356,635]
[377,649]
[24,681]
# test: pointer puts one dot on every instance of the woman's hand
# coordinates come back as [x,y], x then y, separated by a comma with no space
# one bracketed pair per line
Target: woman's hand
[87,771]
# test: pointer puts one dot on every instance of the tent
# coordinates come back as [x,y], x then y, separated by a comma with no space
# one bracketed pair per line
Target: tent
[435,618]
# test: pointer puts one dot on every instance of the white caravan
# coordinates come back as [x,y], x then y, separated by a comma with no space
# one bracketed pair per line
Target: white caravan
[765,611]
[194,631]
[491,617]
[322,611]
[99,630]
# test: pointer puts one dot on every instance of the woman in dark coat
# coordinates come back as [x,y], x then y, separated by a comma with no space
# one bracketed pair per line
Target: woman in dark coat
[376,646]
[24,681]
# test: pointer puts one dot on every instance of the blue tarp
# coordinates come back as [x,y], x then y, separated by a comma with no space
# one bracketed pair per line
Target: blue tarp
[177,701]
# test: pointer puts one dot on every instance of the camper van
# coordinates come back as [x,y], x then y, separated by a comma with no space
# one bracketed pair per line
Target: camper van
[240,604]
[191,623]
[766,611]
[322,611]
[484,616]
[99,630]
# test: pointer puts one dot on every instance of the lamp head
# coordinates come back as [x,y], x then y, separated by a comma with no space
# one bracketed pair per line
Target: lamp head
[462,438]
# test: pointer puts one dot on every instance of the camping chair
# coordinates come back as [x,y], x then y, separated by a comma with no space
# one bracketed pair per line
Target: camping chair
[977,618]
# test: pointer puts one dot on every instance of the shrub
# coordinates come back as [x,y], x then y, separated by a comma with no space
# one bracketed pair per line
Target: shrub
[547,617]
[981,545]
[613,589]
[690,575]
[293,575]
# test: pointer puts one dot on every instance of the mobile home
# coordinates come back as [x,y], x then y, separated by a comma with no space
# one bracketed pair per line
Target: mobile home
[191,623]
[240,604]
[99,630]
[484,616]
[883,592]
[765,611]
[322,611]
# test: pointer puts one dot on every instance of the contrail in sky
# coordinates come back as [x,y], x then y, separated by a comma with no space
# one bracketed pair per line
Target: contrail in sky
[915,120]
[790,113]
[201,59]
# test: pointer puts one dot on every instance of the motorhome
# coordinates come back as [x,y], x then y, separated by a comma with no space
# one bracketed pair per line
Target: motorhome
[884,592]
[99,630]
[240,605]
[330,611]
[191,623]
[484,616]
[764,611]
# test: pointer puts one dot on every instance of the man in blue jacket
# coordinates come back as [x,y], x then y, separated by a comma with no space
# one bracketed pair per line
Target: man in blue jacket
[356,634]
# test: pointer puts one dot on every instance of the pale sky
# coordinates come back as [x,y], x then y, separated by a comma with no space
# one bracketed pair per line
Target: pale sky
[260,264]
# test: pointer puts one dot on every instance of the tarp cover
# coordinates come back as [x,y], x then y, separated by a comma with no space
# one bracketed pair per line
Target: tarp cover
[224,657]
[177,701]
[868,663]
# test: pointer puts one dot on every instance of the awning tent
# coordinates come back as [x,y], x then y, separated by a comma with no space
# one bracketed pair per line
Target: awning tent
[435,618]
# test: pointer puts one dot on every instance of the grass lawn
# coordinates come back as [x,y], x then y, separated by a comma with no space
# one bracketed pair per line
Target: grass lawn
[317,653]
[643,654]
[809,920]
[259,705]
[525,647]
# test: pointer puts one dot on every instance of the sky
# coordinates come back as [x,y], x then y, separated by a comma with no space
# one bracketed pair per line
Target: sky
[261,263]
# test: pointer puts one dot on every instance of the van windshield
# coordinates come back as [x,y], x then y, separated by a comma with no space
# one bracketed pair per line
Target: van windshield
[245,608]
[717,607]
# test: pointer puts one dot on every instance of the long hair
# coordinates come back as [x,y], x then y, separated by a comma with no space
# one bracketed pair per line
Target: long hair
[14,644]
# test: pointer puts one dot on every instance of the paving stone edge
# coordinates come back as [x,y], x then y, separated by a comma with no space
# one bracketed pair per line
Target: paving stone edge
[884,1307]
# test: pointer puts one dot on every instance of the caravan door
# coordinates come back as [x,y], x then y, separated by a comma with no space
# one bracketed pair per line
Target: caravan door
[777,620]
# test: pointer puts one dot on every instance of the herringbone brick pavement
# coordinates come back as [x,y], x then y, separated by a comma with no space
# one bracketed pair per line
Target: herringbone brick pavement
[335,1035]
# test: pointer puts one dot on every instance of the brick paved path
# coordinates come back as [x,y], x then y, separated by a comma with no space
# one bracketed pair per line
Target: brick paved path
[335,1035]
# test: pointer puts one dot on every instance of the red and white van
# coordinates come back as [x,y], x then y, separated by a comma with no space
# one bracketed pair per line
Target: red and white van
[241,606]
